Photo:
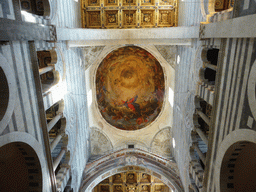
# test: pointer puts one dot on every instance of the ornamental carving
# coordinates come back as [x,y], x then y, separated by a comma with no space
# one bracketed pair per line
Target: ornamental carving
[129,13]
[111,18]
[129,18]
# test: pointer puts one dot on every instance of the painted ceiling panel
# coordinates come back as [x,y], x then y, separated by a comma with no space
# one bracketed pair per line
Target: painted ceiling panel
[130,88]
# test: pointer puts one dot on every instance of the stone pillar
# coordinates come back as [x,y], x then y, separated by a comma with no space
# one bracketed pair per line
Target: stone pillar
[54,121]
[201,155]
[46,69]
[59,158]
[56,140]
[202,135]
[203,116]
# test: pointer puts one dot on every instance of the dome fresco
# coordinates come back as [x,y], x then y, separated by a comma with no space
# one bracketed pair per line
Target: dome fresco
[130,88]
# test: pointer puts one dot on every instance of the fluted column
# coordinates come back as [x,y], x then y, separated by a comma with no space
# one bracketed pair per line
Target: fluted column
[199,152]
[55,142]
[202,135]
[54,121]
[203,116]
[59,158]
[45,69]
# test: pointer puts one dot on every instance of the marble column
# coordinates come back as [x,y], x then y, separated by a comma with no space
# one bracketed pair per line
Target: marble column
[46,69]
[51,124]
[202,135]
[59,158]
[203,116]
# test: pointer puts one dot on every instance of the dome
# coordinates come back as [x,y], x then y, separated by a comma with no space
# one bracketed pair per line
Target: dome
[130,88]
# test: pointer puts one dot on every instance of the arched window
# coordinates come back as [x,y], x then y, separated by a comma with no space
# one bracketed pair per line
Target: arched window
[210,56]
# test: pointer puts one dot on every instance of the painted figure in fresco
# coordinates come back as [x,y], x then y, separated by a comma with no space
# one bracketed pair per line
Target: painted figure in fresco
[135,107]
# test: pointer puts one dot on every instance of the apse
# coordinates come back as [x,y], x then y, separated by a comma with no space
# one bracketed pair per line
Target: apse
[130,88]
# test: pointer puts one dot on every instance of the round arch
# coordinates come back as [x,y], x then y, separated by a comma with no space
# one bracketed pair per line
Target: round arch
[7,92]
[235,140]
[33,145]
[20,168]
[120,161]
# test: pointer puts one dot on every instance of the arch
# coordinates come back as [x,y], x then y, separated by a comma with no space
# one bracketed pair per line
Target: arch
[207,76]
[238,168]
[7,92]
[30,147]
[20,168]
[231,142]
[117,162]
[210,55]
[4,93]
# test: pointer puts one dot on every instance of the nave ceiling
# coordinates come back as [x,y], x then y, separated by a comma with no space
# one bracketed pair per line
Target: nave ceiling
[129,13]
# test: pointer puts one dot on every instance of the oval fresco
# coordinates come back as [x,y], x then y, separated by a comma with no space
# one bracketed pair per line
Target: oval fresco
[130,88]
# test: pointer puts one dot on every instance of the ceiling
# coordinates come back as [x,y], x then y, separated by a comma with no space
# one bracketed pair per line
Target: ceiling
[130,88]
[129,13]
[141,64]
[131,181]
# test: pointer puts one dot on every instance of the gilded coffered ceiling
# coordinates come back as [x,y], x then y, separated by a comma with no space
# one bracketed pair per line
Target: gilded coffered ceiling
[129,13]
[131,181]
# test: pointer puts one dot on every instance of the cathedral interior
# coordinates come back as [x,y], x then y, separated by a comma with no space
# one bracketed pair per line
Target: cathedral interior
[127,95]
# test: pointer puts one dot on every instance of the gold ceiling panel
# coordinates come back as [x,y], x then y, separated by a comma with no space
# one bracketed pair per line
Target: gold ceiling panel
[107,14]
[131,181]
